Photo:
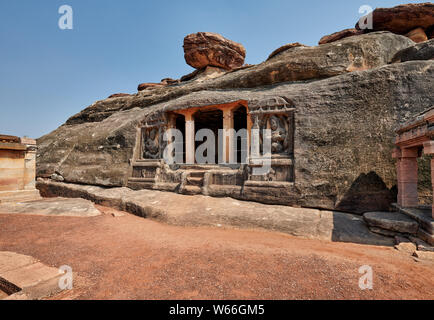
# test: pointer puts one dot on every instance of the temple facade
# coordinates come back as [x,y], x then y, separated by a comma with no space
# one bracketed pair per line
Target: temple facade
[231,172]
[17,168]
[413,139]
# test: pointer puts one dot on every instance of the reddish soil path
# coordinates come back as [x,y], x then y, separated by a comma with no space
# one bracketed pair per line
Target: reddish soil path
[133,258]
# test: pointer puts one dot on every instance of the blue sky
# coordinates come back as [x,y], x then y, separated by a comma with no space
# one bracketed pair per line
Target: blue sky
[48,74]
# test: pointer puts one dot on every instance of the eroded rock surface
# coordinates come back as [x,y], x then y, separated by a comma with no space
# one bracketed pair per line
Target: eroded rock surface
[420,51]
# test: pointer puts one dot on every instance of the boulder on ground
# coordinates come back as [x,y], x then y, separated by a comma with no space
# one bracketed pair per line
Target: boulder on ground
[420,51]
[204,49]
[417,35]
[284,48]
[404,245]
[403,18]
[425,255]
[340,35]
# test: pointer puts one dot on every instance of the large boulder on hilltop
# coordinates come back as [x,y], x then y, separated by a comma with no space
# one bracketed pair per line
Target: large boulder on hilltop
[420,51]
[340,35]
[403,18]
[344,131]
[204,49]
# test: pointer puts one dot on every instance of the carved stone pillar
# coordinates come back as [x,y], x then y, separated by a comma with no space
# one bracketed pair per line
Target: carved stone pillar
[228,140]
[428,148]
[189,139]
[407,177]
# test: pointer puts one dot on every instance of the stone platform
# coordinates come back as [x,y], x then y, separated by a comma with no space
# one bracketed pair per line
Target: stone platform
[23,277]
[18,196]
[63,207]
[411,223]
[200,210]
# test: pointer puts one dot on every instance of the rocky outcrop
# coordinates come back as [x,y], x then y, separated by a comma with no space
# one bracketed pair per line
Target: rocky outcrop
[169,81]
[340,35]
[284,48]
[204,49]
[149,85]
[403,18]
[300,63]
[204,74]
[344,128]
[417,35]
[420,51]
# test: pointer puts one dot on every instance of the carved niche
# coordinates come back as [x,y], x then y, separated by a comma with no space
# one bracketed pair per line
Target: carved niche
[277,114]
[153,128]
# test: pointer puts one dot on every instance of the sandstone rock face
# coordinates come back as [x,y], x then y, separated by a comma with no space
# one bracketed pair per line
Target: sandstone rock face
[392,221]
[204,74]
[344,130]
[340,35]
[284,48]
[204,49]
[417,35]
[404,18]
[420,51]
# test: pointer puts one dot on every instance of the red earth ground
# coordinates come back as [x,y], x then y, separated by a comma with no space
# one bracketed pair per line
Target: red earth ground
[130,257]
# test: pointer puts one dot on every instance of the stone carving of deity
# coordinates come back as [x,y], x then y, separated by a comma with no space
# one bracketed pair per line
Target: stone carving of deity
[151,148]
[279,136]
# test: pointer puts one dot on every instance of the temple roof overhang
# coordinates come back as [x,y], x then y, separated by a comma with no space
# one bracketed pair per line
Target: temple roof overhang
[416,131]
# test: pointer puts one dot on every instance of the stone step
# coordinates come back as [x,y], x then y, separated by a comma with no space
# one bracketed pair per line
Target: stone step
[422,215]
[391,221]
[191,190]
[19,196]
[195,181]
[197,173]
[24,275]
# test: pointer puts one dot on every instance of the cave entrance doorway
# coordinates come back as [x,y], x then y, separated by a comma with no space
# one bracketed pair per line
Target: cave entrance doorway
[212,120]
